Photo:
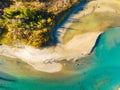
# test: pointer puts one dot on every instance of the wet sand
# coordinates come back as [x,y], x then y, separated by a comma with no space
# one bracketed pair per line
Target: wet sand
[76,47]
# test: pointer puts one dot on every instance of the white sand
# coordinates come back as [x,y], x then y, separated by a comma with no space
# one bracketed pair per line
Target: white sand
[111,6]
[82,44]
[45,59]
[79,46]
[50,67]
[105,5]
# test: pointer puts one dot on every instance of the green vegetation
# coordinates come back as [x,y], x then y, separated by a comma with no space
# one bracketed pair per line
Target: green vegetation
[26,25]
[31,23]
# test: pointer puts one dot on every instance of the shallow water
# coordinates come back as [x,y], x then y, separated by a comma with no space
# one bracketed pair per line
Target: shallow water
[99,71]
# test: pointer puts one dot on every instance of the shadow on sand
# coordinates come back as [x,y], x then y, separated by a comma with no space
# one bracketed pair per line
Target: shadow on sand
[74,10]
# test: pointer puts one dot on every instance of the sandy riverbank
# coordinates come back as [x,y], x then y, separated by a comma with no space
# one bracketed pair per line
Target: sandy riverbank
[47,59]
[98,15]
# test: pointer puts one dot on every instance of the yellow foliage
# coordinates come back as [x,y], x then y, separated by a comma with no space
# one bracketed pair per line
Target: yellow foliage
[49,20]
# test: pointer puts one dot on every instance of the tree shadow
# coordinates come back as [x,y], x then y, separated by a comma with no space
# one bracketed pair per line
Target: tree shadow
[4,3]
[73,20]
[74,10]
[64,28]
[35,0]
[44,0]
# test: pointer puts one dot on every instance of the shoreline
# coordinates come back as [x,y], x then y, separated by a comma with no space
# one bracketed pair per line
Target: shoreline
[46,59]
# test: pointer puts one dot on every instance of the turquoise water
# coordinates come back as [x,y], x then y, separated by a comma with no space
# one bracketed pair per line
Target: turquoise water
[100,71]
